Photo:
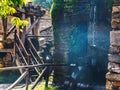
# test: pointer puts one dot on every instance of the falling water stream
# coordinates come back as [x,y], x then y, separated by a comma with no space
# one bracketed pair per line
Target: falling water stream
[93,26]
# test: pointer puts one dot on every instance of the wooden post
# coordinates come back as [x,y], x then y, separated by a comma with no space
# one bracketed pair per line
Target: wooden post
[24,30]
[27,77]
[4,20]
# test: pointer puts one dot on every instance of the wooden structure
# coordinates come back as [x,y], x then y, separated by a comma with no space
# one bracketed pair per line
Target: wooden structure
[23,51]
[113,76]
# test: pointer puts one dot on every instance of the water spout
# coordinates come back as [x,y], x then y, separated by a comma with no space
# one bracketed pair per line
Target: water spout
[93,27]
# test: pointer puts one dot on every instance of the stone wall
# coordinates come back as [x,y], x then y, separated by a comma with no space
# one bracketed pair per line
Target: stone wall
[113,75]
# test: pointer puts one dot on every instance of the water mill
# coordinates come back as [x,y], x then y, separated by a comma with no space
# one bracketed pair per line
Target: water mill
[59,45]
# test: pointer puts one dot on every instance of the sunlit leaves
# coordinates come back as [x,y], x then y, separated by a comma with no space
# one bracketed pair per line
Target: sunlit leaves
[19,23]
[5,9]
[18,3]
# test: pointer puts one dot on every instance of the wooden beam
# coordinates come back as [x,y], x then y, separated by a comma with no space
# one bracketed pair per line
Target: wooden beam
[6,50]
[39,78]
[32,66]
[18,80]
[11,30]
[32,26]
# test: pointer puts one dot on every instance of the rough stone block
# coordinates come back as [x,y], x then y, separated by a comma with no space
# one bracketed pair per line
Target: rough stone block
[114,58]
[117,20]
[116,16]
[116,2]
[115,25]
[114,50]
[113,77]
[114,67]
[115,38]
[115,9]
[112,85]
[108,85]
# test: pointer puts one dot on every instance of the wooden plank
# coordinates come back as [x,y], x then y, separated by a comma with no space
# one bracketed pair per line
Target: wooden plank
[39,78]
[33,66]
[6,50]
[32,26]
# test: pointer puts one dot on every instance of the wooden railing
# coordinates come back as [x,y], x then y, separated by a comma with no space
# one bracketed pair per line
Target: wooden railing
[11,30]
[37,60]
[21,52]
[33,49]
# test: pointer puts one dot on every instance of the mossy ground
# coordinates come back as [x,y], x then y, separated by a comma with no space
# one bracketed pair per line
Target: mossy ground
[42,87]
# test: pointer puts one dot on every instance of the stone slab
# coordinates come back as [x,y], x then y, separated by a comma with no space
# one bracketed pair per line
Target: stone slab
[115,16]
[115,9]
[115,38]
[114,50]
[114,67]
[114,58]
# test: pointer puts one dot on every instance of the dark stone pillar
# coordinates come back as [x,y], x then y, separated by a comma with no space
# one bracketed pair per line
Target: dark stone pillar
[70,24]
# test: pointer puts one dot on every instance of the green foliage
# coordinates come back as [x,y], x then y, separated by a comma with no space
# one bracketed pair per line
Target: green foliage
[109,4]
[44,3]
[42,87]
[19,23]
[51,88]
[56,9]
[18,3]
[5,9]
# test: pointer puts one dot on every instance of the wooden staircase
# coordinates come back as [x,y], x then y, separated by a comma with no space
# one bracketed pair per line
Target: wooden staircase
[25,56]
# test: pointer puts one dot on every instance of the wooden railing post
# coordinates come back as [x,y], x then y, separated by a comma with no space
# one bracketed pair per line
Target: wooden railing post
[15,44]
[27,77]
